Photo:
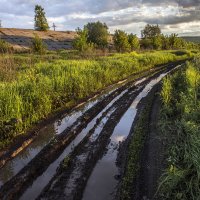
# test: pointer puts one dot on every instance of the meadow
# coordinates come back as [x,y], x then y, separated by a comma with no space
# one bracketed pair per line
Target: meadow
[33,86]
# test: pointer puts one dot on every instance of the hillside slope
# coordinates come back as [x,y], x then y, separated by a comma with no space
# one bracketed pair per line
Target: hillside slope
[20,39]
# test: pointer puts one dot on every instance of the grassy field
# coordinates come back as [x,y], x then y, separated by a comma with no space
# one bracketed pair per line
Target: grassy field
[180,123]
[33,86]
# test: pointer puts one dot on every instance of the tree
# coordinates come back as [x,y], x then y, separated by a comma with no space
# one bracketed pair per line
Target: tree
[121,43]
[134,42]
[97,34]
[157,42]
[176,42]
[41,23]
[146,43]
[150,31]
[165,42]
[81,41]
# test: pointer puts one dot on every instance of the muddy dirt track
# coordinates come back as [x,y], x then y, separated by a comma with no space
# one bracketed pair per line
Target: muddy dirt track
[75,158]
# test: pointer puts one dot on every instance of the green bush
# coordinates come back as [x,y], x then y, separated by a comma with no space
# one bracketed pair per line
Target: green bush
[81,41]
[5,47]
[121,41]
[38,46]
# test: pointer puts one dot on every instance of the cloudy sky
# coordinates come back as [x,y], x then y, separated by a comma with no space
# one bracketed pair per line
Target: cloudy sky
[177,16]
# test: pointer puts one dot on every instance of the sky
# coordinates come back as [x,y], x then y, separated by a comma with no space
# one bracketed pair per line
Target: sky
[173,16]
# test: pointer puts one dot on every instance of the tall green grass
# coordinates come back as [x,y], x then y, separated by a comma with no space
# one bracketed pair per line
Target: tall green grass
[180,122]
[39,88]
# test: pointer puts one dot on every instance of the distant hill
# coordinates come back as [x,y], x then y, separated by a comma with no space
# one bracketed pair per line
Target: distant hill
[195,39]
[21,39]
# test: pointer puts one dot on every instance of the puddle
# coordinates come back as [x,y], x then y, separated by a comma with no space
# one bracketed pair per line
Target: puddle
[13,166]
[82,158]
[33,191]
[102,182]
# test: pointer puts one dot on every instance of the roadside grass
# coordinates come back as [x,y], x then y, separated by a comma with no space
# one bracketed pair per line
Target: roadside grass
[33,86]
[180,123]
[135,148]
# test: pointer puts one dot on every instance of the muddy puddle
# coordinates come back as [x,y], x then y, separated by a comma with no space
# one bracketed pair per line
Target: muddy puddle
[103,180]
[13,166]
[33,191]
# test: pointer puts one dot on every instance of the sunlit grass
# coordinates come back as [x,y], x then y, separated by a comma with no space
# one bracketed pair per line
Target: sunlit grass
[182,178]
[41,84]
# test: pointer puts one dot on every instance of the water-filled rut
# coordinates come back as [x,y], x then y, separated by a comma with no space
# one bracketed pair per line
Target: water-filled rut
[69,183]
[102,183]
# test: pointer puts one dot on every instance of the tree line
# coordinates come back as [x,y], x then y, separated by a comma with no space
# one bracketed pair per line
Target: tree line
[95,35]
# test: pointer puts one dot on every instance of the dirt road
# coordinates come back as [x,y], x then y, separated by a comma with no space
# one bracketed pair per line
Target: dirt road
[75,157]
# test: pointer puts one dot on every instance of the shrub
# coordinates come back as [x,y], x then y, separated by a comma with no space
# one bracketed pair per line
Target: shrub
[121,41]
[80,43]
[134,42]
[37,45]
[5,47]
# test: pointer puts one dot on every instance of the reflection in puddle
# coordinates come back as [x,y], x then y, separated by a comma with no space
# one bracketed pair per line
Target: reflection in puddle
[33,191]
[102,182]
[45,135]
[13,166]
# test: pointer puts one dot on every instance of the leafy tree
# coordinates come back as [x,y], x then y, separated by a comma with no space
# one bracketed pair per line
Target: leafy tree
[146,43]
[134,42]
[157,42]
[41,23]
[121,41]
[176,42]
[81,41]
[150,31]
[172,40]
[165,42]
[97,33]
[37,45]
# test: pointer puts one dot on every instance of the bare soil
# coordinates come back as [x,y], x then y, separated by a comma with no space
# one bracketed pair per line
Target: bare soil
[20,39]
